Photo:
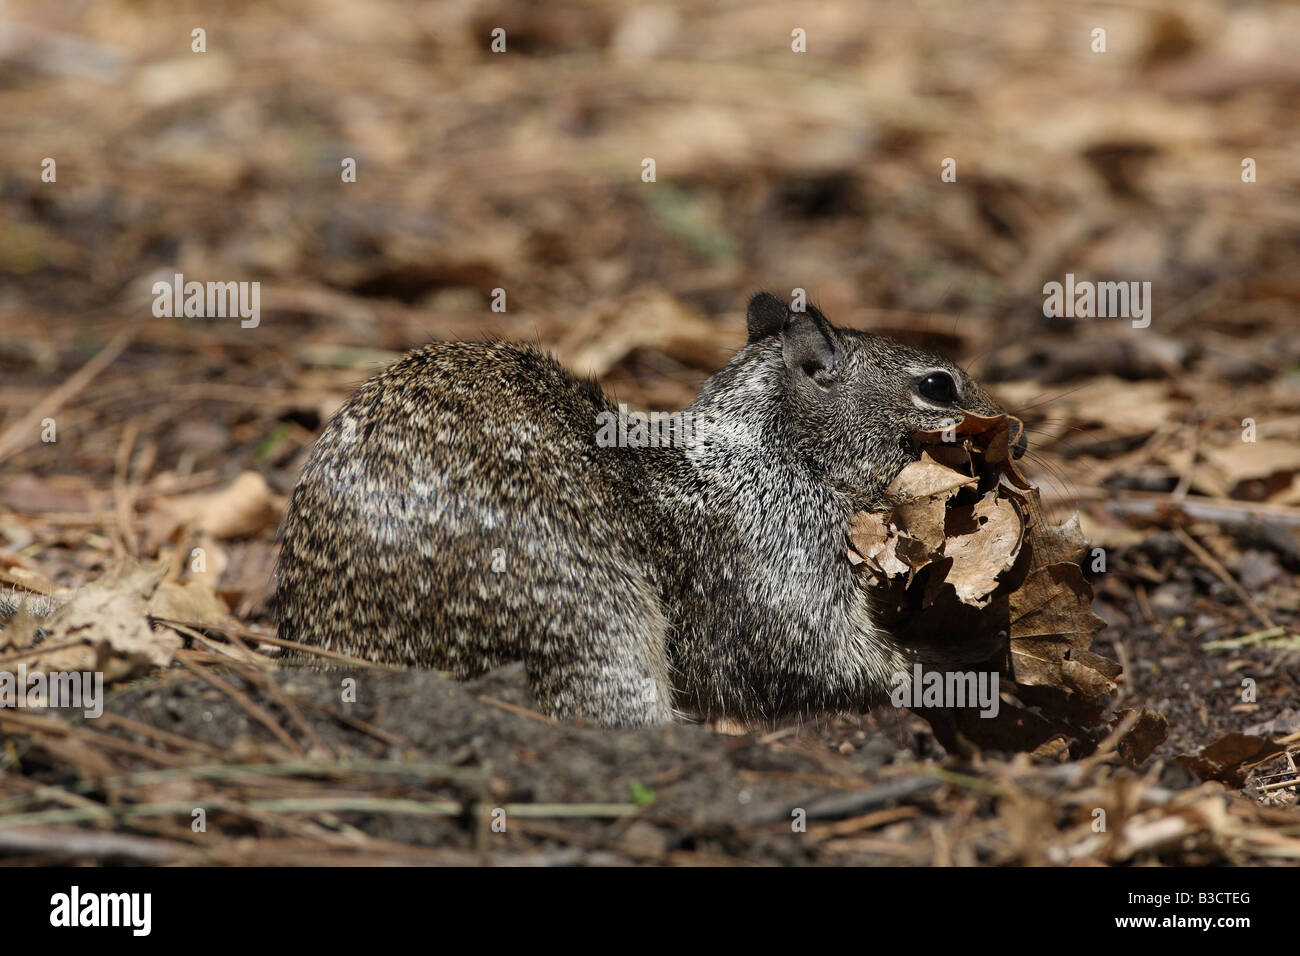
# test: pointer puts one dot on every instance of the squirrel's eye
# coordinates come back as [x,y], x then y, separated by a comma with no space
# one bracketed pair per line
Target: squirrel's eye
[938,387]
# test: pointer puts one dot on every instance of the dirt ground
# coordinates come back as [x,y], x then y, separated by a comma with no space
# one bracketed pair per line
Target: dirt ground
[1169,158]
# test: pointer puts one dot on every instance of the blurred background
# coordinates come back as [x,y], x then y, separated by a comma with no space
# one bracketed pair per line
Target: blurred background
[522,171]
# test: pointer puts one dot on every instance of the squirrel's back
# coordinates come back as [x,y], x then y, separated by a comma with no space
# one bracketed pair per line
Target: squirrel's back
[455,514]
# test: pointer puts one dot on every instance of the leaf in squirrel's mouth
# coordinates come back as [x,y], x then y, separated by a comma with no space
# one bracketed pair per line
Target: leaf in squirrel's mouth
[965,569]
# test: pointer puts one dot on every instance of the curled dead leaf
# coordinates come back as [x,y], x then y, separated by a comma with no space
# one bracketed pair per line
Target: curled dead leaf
[108,625]
[104,627]
[965,569]
[1231,758]
[245,507]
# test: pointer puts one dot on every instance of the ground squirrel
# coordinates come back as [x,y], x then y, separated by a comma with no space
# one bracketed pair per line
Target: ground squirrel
[467,507]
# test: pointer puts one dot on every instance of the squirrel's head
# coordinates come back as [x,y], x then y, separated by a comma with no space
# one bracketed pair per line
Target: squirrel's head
[850,401]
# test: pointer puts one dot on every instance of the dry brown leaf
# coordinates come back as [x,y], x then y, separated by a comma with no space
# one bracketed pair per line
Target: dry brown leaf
[965,550]
[984,553]
[193,602]
[1230,758]
[1256,470]
[246,507]
[654,320]
[28,494]
[872,541]
[923,490]
[1148,732]
[107,625]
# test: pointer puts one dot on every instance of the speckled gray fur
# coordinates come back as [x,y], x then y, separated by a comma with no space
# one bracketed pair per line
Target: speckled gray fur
[459,513]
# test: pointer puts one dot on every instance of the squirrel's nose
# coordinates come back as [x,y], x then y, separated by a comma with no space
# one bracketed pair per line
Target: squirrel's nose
[1019,437]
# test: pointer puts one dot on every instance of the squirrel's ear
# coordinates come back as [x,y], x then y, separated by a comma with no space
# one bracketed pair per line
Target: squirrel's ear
[766,315]
[811,347]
